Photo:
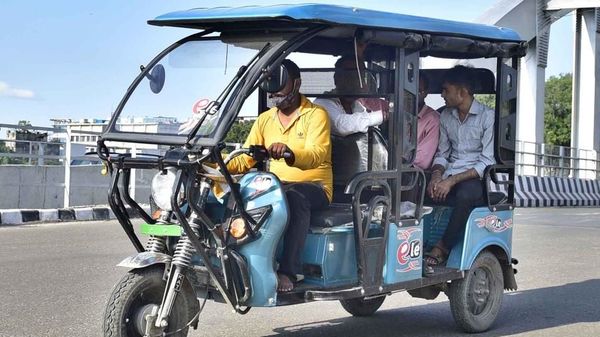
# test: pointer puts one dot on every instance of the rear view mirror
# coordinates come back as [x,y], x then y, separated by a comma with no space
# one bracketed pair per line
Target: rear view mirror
[157,78]
[276,80]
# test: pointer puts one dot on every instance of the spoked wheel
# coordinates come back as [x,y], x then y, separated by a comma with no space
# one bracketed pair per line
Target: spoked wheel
[361,306]
[136,295]
[476,299]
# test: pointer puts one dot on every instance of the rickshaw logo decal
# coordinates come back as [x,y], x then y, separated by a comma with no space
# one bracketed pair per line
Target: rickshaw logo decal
[494,224]
[409,250]
[260,184]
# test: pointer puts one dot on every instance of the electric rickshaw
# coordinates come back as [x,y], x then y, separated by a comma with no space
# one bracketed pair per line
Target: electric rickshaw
[215,236]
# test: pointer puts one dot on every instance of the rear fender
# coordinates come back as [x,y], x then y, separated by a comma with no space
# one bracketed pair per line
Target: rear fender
[500,250]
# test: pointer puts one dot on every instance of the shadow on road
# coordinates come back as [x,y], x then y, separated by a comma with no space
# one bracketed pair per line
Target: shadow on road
[522,311]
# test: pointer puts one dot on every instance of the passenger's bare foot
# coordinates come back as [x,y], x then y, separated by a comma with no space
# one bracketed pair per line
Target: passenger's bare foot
[284,283]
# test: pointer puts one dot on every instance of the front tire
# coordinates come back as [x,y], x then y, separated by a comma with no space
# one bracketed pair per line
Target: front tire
[138,290]
[362,307]
[476,299]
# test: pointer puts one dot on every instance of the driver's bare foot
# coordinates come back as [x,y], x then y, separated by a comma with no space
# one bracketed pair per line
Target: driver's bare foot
[284,283]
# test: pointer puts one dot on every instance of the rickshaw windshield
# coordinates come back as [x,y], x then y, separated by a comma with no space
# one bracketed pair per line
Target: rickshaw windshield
[184,87]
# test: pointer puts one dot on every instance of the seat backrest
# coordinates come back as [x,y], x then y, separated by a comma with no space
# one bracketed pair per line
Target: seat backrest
[350,155]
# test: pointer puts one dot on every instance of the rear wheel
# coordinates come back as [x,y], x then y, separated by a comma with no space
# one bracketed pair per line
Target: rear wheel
[476,299]
[361,306]
[136,295]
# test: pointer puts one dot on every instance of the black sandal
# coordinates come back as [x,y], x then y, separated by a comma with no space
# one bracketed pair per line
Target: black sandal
[436,259]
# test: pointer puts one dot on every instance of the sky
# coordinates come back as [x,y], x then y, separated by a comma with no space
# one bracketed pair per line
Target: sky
[75,59]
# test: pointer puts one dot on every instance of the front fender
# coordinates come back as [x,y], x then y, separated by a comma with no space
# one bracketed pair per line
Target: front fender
[144,259]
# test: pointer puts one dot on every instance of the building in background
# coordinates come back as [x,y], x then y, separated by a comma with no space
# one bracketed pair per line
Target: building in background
[86,132]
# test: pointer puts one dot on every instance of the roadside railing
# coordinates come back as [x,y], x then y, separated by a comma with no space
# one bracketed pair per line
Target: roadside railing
[543,160]
[45,146]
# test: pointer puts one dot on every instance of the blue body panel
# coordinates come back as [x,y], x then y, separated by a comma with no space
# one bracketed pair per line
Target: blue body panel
[261,189]
[333,251]
[330,14]
[404,254]
[483,229]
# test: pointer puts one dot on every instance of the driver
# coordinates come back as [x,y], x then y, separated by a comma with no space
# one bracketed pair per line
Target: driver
[301,129]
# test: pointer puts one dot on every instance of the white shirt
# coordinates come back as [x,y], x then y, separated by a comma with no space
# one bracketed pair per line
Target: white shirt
[344,124]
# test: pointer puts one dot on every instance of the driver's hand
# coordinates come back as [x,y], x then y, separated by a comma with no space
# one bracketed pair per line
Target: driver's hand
[277,150]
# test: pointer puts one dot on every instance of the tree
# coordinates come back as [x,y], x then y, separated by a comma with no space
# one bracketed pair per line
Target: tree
[3,149]
[557,110]
[488,100]
[24,123]
[239,132]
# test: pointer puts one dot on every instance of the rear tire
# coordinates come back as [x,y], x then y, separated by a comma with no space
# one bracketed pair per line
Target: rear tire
[361,307]
[140,288]
[476,299]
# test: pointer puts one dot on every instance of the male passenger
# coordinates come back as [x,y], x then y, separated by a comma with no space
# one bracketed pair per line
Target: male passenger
[428,127]
[351,114]
[296,126]
[465,149]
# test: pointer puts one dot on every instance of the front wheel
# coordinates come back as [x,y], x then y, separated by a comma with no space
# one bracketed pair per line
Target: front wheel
[135,296]
[476,299]
[361,306]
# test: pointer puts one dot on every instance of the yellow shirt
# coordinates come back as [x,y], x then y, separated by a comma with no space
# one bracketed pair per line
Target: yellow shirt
[307,135]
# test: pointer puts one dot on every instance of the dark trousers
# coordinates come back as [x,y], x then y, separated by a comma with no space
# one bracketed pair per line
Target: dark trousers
[464,197]
[302,198]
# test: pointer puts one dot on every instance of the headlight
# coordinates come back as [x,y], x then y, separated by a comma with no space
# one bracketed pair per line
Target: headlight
[163,185]
[237,228]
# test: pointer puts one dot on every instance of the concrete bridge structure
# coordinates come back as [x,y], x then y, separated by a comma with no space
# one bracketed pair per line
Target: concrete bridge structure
[533,20]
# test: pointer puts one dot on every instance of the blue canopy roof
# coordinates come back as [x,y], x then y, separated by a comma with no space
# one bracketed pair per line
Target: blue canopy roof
[318,13]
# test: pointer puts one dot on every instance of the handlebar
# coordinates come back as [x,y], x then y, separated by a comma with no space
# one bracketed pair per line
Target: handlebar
[258,152]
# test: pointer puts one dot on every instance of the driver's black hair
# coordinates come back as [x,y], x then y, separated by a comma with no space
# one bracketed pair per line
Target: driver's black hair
[292,69]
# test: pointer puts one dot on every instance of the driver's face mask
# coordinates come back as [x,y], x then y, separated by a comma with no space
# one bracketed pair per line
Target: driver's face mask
[283,102]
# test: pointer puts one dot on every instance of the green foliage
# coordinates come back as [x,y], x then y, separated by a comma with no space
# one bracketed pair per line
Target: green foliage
[557,110]
[4,149]
[239,132]
[485,99]
[8,160]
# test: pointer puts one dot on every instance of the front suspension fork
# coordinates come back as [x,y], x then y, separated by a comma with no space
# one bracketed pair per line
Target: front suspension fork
[174,285]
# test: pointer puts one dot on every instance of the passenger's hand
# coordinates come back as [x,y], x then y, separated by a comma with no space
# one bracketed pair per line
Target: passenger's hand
[278,151]
[435,179]
[441,189]
[377,104]
[385,110]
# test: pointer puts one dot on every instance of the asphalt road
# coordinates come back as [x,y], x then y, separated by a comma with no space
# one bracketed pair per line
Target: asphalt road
[55,280]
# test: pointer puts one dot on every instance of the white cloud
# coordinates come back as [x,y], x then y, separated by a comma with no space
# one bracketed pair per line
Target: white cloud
[7,90]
